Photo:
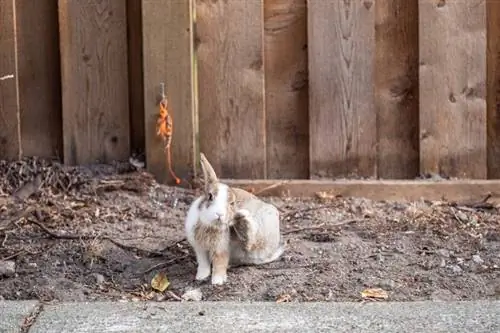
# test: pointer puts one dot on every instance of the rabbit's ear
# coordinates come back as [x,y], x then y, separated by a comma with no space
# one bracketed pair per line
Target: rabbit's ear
[208,171]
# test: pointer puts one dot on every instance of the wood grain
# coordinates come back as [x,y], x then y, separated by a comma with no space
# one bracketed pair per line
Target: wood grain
[93,42]
[396,88]
[453,88]
[287,129]
[136,79]
[229,38]
[9,108]
[493,83]
[397,190]
[341,109]
[39,78]
[167,51]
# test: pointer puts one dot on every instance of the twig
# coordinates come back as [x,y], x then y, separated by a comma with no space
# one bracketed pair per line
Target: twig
[270,187]
[165,263]
[6,224]
[308,209]
[55,235]
[321,226]
[174,296]
[12,256]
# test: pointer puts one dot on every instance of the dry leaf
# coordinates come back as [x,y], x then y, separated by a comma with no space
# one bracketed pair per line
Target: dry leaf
[283,298]
[374,293]
[160,282]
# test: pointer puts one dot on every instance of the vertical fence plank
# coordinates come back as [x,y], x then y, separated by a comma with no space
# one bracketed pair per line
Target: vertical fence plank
[341,110]
[167,52]
[9,108]
[136,79]
[493,91]
[453,88]
[231,86]
[396,84]
[39,77]
[285,63]
[93,42]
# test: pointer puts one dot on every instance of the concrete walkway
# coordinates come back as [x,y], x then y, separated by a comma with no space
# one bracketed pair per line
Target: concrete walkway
[390,317]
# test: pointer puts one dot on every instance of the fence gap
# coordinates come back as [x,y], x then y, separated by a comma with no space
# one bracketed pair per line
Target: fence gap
[396,86]
[341,109]
[136,79]
[167,53]
[9,106]
[286,89]
[493,91]
[453,88]
[229,40]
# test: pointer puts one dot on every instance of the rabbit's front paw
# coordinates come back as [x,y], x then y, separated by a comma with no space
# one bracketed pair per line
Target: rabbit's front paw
[219,279]
[242,214]
[202,273]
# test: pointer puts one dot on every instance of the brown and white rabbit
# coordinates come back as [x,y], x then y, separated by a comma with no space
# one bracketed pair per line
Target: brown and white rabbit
[230,226]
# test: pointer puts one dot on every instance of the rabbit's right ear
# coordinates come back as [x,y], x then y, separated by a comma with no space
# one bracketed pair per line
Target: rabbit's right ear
[208,172]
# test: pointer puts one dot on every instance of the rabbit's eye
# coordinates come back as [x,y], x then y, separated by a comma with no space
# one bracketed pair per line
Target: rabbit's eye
[210,197]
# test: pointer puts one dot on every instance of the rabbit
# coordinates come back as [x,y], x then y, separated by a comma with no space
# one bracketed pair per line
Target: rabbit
[230,226]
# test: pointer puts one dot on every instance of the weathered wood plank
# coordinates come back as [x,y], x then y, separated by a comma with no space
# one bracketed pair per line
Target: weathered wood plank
[9,107]
[397,190]
[39,78]
[167,51]
[231,86]
[93,42]
[136,78]
[285,63]
[453,88]
[493,90]
[396,84]
[342,113]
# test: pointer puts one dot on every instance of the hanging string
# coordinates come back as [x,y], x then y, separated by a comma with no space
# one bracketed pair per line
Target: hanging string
[164,129]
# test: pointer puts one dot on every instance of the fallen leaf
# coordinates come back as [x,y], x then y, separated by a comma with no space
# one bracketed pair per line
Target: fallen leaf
[325,195]
[283,298]
[192,295]
[160,282]
[374,293]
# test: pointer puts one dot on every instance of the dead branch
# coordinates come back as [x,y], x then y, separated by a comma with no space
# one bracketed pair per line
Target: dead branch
[166,263]
[56,235]
[322,226]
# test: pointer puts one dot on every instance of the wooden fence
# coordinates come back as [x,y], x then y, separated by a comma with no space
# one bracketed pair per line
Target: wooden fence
[268,89]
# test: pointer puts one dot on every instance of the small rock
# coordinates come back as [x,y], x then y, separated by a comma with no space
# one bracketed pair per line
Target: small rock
[460,261]
[456,269]
[7,268]
[387,284]
[443,253]
[192,295]
[380,258]
[99,278]
[462,216]
[443,263]
[477,259]
[32,265]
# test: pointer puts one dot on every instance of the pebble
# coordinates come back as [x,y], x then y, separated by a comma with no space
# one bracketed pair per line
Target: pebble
[7,268]
[192,295]
[443,253]
[99,278]
[387,284]
[456,269]
[477,259]
[443,263]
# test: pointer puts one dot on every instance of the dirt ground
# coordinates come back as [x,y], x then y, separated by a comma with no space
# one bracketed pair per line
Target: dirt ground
[103,233]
